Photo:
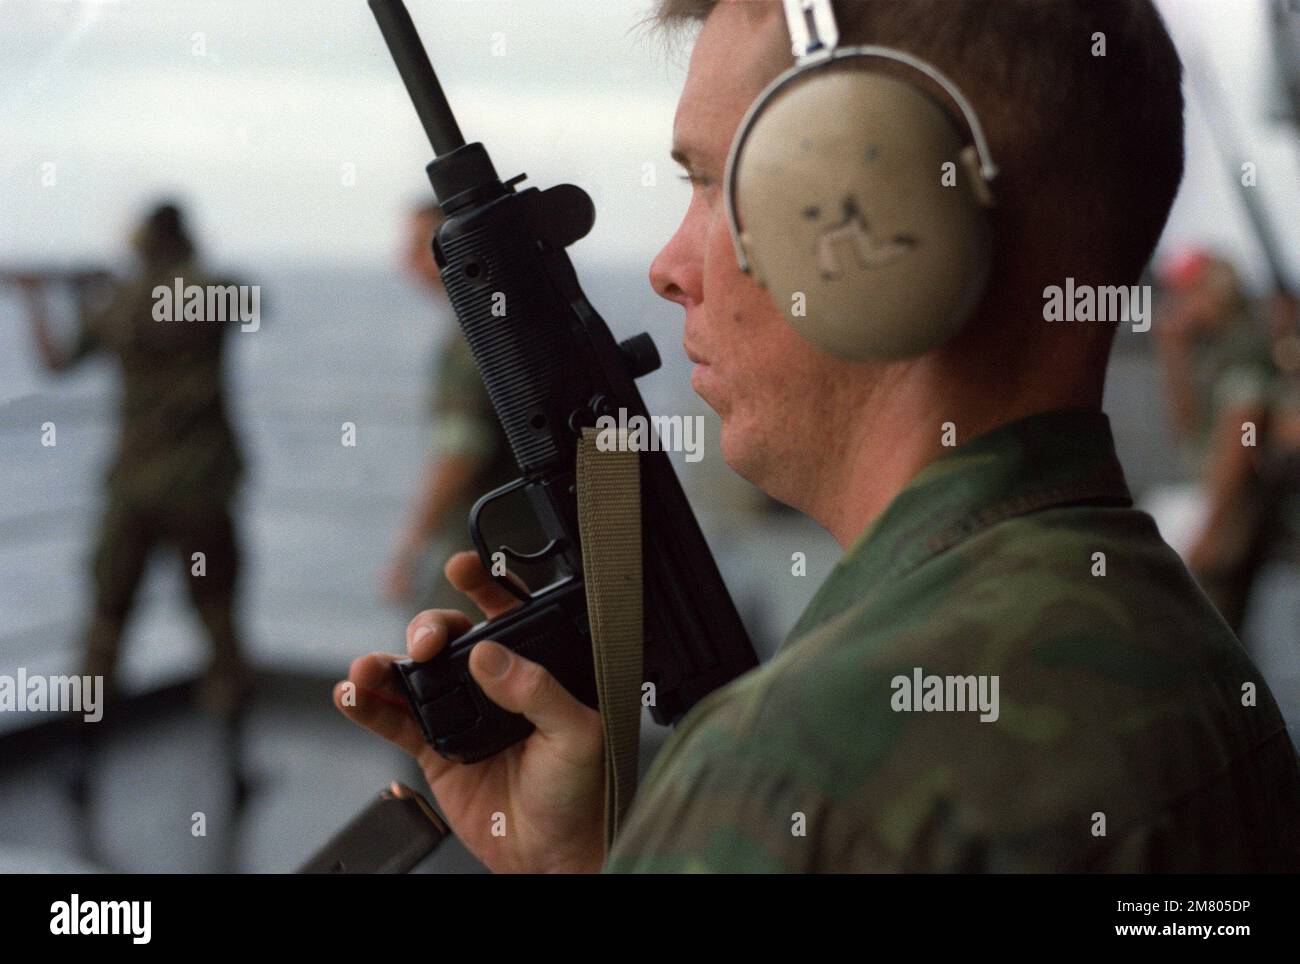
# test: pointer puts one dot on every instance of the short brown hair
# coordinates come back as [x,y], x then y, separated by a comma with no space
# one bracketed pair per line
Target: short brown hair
[1102,134]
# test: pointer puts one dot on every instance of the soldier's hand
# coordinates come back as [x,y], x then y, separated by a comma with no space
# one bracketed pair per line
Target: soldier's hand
[535,807]
[30,285]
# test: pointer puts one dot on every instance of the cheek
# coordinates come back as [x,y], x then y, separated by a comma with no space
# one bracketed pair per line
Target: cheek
[761,352]
[741,315]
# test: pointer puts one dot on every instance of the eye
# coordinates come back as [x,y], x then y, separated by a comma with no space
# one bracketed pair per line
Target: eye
[697,180]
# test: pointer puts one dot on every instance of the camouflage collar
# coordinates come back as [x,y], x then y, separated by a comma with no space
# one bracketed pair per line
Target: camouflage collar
[1046,460]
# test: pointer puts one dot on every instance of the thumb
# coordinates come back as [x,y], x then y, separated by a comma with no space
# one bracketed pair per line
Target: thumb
[522,686]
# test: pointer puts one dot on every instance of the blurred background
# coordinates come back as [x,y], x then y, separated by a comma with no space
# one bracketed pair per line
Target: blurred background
[284,133]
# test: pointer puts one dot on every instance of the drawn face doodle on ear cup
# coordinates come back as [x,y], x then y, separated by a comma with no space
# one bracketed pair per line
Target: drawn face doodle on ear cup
[850,241]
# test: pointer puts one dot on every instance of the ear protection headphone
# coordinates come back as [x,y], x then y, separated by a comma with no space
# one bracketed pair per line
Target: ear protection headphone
[854,198]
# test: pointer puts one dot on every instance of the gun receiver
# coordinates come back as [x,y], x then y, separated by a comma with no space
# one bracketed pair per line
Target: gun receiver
[551,367]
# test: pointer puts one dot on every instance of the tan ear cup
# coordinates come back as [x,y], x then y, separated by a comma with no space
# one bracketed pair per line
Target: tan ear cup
[855,197]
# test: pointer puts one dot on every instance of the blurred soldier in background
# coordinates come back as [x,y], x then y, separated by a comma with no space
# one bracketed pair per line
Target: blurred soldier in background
[1282,465]
[175,473]
[469,457]
[1222,384]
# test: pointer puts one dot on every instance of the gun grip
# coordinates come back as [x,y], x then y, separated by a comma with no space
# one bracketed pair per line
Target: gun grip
[457,718]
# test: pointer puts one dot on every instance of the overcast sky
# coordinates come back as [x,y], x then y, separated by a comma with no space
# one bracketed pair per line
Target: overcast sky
[258,111]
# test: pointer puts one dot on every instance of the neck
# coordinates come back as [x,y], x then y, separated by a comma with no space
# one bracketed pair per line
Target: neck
[906,420]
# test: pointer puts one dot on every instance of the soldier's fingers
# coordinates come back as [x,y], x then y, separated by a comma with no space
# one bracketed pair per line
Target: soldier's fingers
[465,572]
[369,698]
[522,686]
[430,630]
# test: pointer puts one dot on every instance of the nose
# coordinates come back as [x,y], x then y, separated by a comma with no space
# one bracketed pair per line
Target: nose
[677,272]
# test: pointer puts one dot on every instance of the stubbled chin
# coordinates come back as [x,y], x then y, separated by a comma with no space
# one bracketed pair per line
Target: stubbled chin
[703,383]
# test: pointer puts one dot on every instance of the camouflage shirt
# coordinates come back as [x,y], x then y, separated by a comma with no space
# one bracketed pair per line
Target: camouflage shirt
[1126,735]
[1232,369]
[176,445]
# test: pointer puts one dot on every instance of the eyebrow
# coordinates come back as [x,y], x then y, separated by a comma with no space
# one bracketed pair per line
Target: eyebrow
[690,157]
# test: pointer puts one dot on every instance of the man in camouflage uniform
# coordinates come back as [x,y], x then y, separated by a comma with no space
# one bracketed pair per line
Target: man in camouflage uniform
[1220,377]
[989,535]
[1283,459]
[469,457]
[178,463]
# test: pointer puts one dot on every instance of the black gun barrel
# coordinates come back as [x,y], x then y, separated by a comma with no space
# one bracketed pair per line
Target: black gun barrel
[417,74]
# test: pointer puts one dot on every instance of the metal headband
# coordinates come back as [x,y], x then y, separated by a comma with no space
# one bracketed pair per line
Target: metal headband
[813,36]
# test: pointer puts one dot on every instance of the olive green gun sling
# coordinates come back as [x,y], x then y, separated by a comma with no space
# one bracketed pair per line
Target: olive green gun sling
[609,522]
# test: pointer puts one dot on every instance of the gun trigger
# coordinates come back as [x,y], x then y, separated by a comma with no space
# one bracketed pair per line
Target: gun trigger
[480,544]
[554,547]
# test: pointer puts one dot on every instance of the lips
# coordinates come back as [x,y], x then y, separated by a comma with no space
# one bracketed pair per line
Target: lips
[694,356]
